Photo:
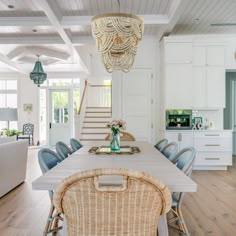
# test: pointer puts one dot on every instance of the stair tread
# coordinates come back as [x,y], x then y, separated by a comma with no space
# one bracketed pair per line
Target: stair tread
[102,127]
[98,112]
[84,139]
[94,122]
[99,107]
[93,133]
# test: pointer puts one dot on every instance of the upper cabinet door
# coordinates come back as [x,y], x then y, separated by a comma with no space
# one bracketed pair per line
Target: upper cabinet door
[216,55]
[179,86]
[178,53]
[199,55]
[215,87]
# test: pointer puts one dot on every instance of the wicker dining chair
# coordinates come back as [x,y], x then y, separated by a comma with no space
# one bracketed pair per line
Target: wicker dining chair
[170,150]
[94,208]
[63,150]
[124,136]
[162,143]
[184,161]
[75,144]
[48,159]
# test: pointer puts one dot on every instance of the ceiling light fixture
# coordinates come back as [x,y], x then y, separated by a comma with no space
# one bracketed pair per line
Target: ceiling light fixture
[38,75]
[117,38]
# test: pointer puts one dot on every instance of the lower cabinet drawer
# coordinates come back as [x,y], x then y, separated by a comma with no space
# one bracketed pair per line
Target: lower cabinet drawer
[213,145]
[213,158]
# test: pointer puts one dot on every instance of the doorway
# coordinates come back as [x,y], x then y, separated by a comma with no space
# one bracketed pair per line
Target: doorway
[60,116]
[230,108]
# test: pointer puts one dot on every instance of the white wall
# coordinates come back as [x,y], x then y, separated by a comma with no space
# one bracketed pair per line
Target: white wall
[28,92]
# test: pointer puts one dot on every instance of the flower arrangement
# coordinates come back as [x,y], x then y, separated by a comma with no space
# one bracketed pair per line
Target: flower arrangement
[117,125]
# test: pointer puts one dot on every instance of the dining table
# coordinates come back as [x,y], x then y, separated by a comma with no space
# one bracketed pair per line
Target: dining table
[148,160]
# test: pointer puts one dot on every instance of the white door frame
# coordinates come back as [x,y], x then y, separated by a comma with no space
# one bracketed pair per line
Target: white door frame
[70,93]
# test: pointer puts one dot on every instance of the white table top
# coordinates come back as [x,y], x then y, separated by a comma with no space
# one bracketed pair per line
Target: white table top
[148,160]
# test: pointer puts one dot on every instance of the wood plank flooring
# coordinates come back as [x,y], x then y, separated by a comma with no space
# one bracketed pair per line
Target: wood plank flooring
[209,211]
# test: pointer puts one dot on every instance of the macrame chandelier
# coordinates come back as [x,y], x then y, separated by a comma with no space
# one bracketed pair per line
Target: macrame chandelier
[117,38]
[38,75]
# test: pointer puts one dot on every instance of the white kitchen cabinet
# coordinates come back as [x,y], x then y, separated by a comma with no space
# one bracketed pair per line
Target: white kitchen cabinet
[208,76]
[215,86]
[182,138]
[213,149]
[178,53]
[178,86]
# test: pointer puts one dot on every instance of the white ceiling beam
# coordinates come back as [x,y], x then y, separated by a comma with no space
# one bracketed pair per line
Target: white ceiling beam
[13,65]
[55,21]
[68,21]
[43,40]
[174,12]
[20,52]
[25,21]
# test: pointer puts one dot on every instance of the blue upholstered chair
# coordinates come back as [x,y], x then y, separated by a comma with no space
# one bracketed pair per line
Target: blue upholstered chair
[184,161]
[170,150]
[75,144]
[47,160]
[162,143]
[63,150]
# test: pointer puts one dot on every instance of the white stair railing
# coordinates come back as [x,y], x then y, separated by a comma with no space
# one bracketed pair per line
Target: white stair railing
[79,118]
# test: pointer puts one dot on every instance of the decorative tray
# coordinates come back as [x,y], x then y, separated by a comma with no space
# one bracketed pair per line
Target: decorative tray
[107,150]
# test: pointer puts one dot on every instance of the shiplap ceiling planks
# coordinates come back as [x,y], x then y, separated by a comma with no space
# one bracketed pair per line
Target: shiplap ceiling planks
[200,14]
[68,24]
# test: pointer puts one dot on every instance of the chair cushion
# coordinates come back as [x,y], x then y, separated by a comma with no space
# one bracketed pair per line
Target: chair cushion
[175,199]
[24,136]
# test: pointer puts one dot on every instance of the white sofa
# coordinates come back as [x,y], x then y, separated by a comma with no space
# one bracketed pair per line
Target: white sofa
[13,162]
[7,139]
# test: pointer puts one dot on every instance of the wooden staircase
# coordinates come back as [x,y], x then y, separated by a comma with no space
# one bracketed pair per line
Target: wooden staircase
[95,123]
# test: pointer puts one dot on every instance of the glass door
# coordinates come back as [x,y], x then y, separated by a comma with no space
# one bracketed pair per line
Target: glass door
[59,116]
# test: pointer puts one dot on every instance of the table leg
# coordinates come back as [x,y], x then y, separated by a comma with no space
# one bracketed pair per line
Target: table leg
[162,226]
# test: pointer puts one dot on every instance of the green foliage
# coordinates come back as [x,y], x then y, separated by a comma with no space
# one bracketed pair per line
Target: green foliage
[9,132]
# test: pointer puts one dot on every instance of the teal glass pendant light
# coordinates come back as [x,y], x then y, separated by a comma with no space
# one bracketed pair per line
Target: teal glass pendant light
[38,75]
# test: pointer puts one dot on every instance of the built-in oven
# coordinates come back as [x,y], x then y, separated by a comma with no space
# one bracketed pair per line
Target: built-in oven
[178,119]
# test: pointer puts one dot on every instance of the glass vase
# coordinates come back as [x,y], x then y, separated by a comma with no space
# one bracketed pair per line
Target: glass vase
[115,141]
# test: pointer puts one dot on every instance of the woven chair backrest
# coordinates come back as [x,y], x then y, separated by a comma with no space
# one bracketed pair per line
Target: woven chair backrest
[170,150]
[28,129]
[132,208]
[63,150]
[124,136]
[75,144]
[162,143]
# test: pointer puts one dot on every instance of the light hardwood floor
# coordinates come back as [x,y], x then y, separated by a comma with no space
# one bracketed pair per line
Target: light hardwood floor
[209,211]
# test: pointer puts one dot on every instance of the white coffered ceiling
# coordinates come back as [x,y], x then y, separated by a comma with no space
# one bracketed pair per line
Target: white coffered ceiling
[55,29]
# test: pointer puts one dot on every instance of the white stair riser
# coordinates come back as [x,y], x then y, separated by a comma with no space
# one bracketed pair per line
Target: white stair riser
[95,124]
[91,130]
[98,114]
[93,136]
[95,119]
[92,109]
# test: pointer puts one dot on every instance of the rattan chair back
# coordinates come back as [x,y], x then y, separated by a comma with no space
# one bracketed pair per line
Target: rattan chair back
[162,143]
[132,208]
[124,136]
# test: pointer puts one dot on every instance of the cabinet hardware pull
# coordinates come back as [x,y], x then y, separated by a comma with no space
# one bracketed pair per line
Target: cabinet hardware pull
[212,159]
[212,145]
[212,135]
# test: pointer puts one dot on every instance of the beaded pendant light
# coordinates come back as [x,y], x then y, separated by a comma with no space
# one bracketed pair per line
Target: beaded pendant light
[117,38]
[38,75]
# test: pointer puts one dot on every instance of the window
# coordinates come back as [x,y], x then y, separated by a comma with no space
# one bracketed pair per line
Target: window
[8,98]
